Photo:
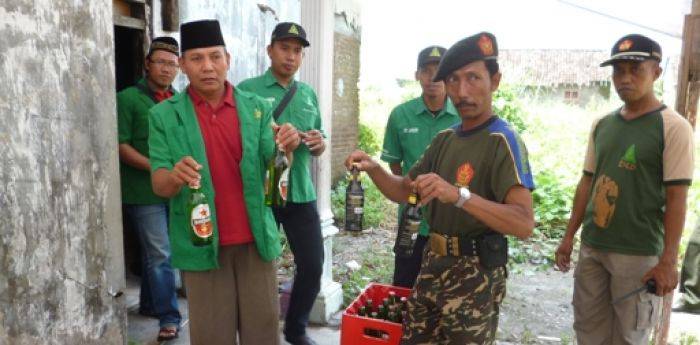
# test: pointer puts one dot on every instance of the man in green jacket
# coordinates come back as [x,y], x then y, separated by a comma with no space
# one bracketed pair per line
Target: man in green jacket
[409,131]
[299,217]
[147,211]
[209,135]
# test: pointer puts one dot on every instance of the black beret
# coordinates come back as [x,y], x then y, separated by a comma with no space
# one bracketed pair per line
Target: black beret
[481,46]
[200,34]
[289,30]
[430,54]
[166,43]
[634,47]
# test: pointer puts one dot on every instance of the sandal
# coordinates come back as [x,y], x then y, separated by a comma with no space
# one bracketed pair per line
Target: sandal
[167,333]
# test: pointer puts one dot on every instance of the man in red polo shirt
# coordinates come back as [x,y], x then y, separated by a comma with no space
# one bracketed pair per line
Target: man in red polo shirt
[220,137]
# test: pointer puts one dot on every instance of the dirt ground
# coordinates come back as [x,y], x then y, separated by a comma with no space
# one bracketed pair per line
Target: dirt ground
[537,308]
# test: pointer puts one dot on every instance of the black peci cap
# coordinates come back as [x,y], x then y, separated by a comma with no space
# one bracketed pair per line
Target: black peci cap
[430,54]
[289,30]
[634,47]
[481,46]
[200,34]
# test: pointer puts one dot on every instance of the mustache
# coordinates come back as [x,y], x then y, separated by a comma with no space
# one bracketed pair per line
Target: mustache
[464,104]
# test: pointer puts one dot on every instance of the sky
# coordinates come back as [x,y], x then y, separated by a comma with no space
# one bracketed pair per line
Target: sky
[394,31]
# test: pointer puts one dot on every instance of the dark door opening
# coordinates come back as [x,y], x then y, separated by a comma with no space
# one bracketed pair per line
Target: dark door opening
[129,56]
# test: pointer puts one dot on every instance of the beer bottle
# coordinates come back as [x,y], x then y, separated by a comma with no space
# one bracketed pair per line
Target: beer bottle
[354,203]
[277,179]
[392,297]
[200,216]
[408,226]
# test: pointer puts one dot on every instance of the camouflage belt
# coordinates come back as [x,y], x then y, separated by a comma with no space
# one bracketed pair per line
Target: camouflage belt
[452,245]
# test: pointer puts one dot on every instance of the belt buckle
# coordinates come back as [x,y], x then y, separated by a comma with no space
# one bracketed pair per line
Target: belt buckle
[438,244]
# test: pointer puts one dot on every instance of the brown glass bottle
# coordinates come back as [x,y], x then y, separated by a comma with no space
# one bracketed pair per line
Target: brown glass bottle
[354,203]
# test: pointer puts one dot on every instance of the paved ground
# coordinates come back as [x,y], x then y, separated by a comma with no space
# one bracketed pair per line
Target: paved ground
[144,330]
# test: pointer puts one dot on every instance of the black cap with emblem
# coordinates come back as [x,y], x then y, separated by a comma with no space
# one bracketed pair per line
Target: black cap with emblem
[481,46]
[200,34]
[430,55]
[634,47]
[289,30]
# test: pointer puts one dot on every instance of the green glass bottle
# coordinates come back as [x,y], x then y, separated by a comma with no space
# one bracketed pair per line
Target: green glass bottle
[409,225]
[277,180]
[200,216]
[354,203]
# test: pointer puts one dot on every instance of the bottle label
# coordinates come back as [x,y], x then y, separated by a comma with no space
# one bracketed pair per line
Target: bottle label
[284,184]
[358,210]
[201,221]
[412,225]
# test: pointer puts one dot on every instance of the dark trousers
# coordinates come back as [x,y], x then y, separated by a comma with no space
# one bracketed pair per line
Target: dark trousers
[406,268]
[302,225]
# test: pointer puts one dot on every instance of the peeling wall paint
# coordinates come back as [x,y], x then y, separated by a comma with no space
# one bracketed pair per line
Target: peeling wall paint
[60,235]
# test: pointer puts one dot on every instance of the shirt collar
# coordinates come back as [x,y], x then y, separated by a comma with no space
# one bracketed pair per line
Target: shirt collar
[447,107]
[142,85]
[270,80]
[228,95]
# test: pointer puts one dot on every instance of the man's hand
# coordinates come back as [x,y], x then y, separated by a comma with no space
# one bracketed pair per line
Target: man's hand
[361,160]
[185,171]
[287,137]
[562,256]
[432,186]
[666,276]
[313,139]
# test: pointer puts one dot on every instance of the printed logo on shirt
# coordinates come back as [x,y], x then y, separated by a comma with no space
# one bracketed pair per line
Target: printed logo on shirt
[605,194]
[465,173]
[629,160]
[257,113]
[411,130]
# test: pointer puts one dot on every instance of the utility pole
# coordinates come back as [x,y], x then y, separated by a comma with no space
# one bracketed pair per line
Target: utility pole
[687,105]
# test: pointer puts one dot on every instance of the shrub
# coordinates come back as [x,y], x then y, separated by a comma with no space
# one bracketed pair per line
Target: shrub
[367,140]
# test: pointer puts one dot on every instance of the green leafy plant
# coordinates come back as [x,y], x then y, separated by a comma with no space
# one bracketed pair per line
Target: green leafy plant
[367,140]
[507,106]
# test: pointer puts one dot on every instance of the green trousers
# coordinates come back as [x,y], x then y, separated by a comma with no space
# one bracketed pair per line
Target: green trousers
[690,274]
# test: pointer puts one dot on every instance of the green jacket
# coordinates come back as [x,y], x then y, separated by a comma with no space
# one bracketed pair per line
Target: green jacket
[133,104]
[175,133]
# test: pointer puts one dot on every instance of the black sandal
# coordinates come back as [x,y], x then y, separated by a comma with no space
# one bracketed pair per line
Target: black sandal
[167,333]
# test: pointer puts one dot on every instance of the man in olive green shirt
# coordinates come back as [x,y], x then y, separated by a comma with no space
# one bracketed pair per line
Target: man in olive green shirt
[630,203]
[475,180]
[411,127]
[299,217]
[147,211]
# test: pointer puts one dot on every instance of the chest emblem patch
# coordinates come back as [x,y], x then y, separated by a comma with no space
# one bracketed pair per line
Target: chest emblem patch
[629,159]
[257,113]
[465,173]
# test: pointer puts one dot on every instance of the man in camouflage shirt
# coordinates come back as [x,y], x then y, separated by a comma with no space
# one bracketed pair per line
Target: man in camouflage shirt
[475,180]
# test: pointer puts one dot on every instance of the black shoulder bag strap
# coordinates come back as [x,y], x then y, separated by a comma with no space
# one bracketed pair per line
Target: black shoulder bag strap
[285,101]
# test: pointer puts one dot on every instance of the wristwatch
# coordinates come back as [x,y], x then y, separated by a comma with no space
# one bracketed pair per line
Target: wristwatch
[464,195]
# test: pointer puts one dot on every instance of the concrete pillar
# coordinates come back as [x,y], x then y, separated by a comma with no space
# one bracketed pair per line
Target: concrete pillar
[61,260]
[318,20]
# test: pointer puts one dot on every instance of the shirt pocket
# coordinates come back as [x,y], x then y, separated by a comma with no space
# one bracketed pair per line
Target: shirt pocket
[304,116]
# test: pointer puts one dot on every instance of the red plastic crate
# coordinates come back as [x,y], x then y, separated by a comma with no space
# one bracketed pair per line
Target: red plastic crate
[353,327]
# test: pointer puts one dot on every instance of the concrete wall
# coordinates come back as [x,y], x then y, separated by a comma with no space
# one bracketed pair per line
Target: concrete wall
[60,229]
[346,101]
